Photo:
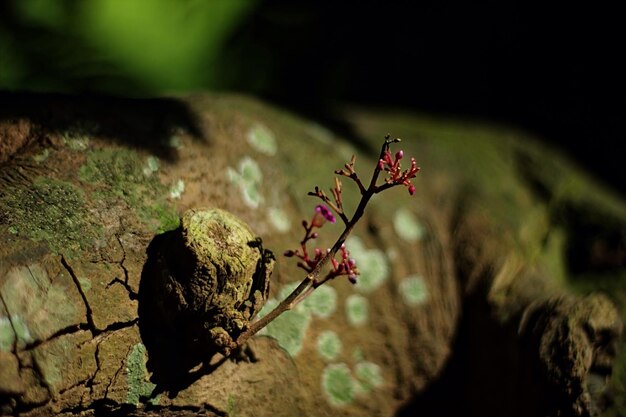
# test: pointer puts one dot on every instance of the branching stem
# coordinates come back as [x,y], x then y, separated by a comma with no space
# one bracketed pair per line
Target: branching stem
[310,281]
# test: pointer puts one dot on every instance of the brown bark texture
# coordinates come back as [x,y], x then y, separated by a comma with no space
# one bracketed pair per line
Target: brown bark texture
[496,290]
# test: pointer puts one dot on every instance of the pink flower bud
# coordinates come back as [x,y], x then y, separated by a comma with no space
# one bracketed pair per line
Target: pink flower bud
[322,215]
[314,235]
[352,278]
[381,165]
[411,189]
[399,155]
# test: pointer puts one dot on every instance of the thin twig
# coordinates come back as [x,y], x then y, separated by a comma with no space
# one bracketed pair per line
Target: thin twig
[310,282]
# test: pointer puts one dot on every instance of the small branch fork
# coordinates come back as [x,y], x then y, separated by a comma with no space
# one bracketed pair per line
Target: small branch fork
[314,266]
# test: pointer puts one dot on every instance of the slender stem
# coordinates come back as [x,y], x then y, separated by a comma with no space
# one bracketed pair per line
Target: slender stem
[309,283]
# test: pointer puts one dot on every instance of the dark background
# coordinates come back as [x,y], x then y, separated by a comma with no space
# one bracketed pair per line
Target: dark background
[554,70]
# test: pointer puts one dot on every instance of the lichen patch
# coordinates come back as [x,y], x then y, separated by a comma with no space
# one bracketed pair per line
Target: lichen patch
[50,211]
[413,290]
[357,310]
[407,226]
[248,178]
[262,139]
[372,264]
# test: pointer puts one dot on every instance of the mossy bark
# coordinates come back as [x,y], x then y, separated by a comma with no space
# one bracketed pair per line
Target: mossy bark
[472,293]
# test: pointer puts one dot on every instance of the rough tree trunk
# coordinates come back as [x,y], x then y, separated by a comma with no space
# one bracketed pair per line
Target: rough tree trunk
[464,302]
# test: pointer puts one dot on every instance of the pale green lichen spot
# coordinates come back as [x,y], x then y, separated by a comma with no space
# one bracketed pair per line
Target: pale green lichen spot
[370,376]
[262,139]
[248,178]
[357,308]
[338,384]
[250,170]
[322,302]
[177,189]
[139,387]
[372,264]
[288,329]
[328,345]
[76,143]
[413,289]
[320,133]
[407,226]
[40,307]
[85,283]
[151,166]
[358,355]
[279,219]
[174,142]
[42,156]
[9,328]
[7,335]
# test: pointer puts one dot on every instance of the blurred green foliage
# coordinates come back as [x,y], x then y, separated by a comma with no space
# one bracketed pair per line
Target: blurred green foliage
[116,46]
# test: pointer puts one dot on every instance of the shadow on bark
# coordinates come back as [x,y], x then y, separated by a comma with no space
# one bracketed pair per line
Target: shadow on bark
[174,360]
[149,124]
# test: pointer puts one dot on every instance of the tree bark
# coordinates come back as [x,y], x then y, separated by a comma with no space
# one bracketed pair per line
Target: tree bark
[466,300]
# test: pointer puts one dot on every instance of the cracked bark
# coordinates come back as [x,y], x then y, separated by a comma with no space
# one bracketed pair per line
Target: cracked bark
[89,312]
[527,326]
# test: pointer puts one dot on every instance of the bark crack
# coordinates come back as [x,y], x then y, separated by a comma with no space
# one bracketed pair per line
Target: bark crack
[111,407]
[6,308]
[114,378]
[131,293]
[72,329]
[90,322]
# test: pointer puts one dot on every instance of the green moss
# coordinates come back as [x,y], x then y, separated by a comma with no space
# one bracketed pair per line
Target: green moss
[50,211]
[338,384]
[120,174]
[162,216]
[413,290]
[328,345]
[116,168]
[357,309]
[139,387]
[232,409]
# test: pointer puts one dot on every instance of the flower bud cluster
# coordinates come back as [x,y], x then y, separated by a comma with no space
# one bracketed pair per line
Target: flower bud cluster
[308,262]
[395,174]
